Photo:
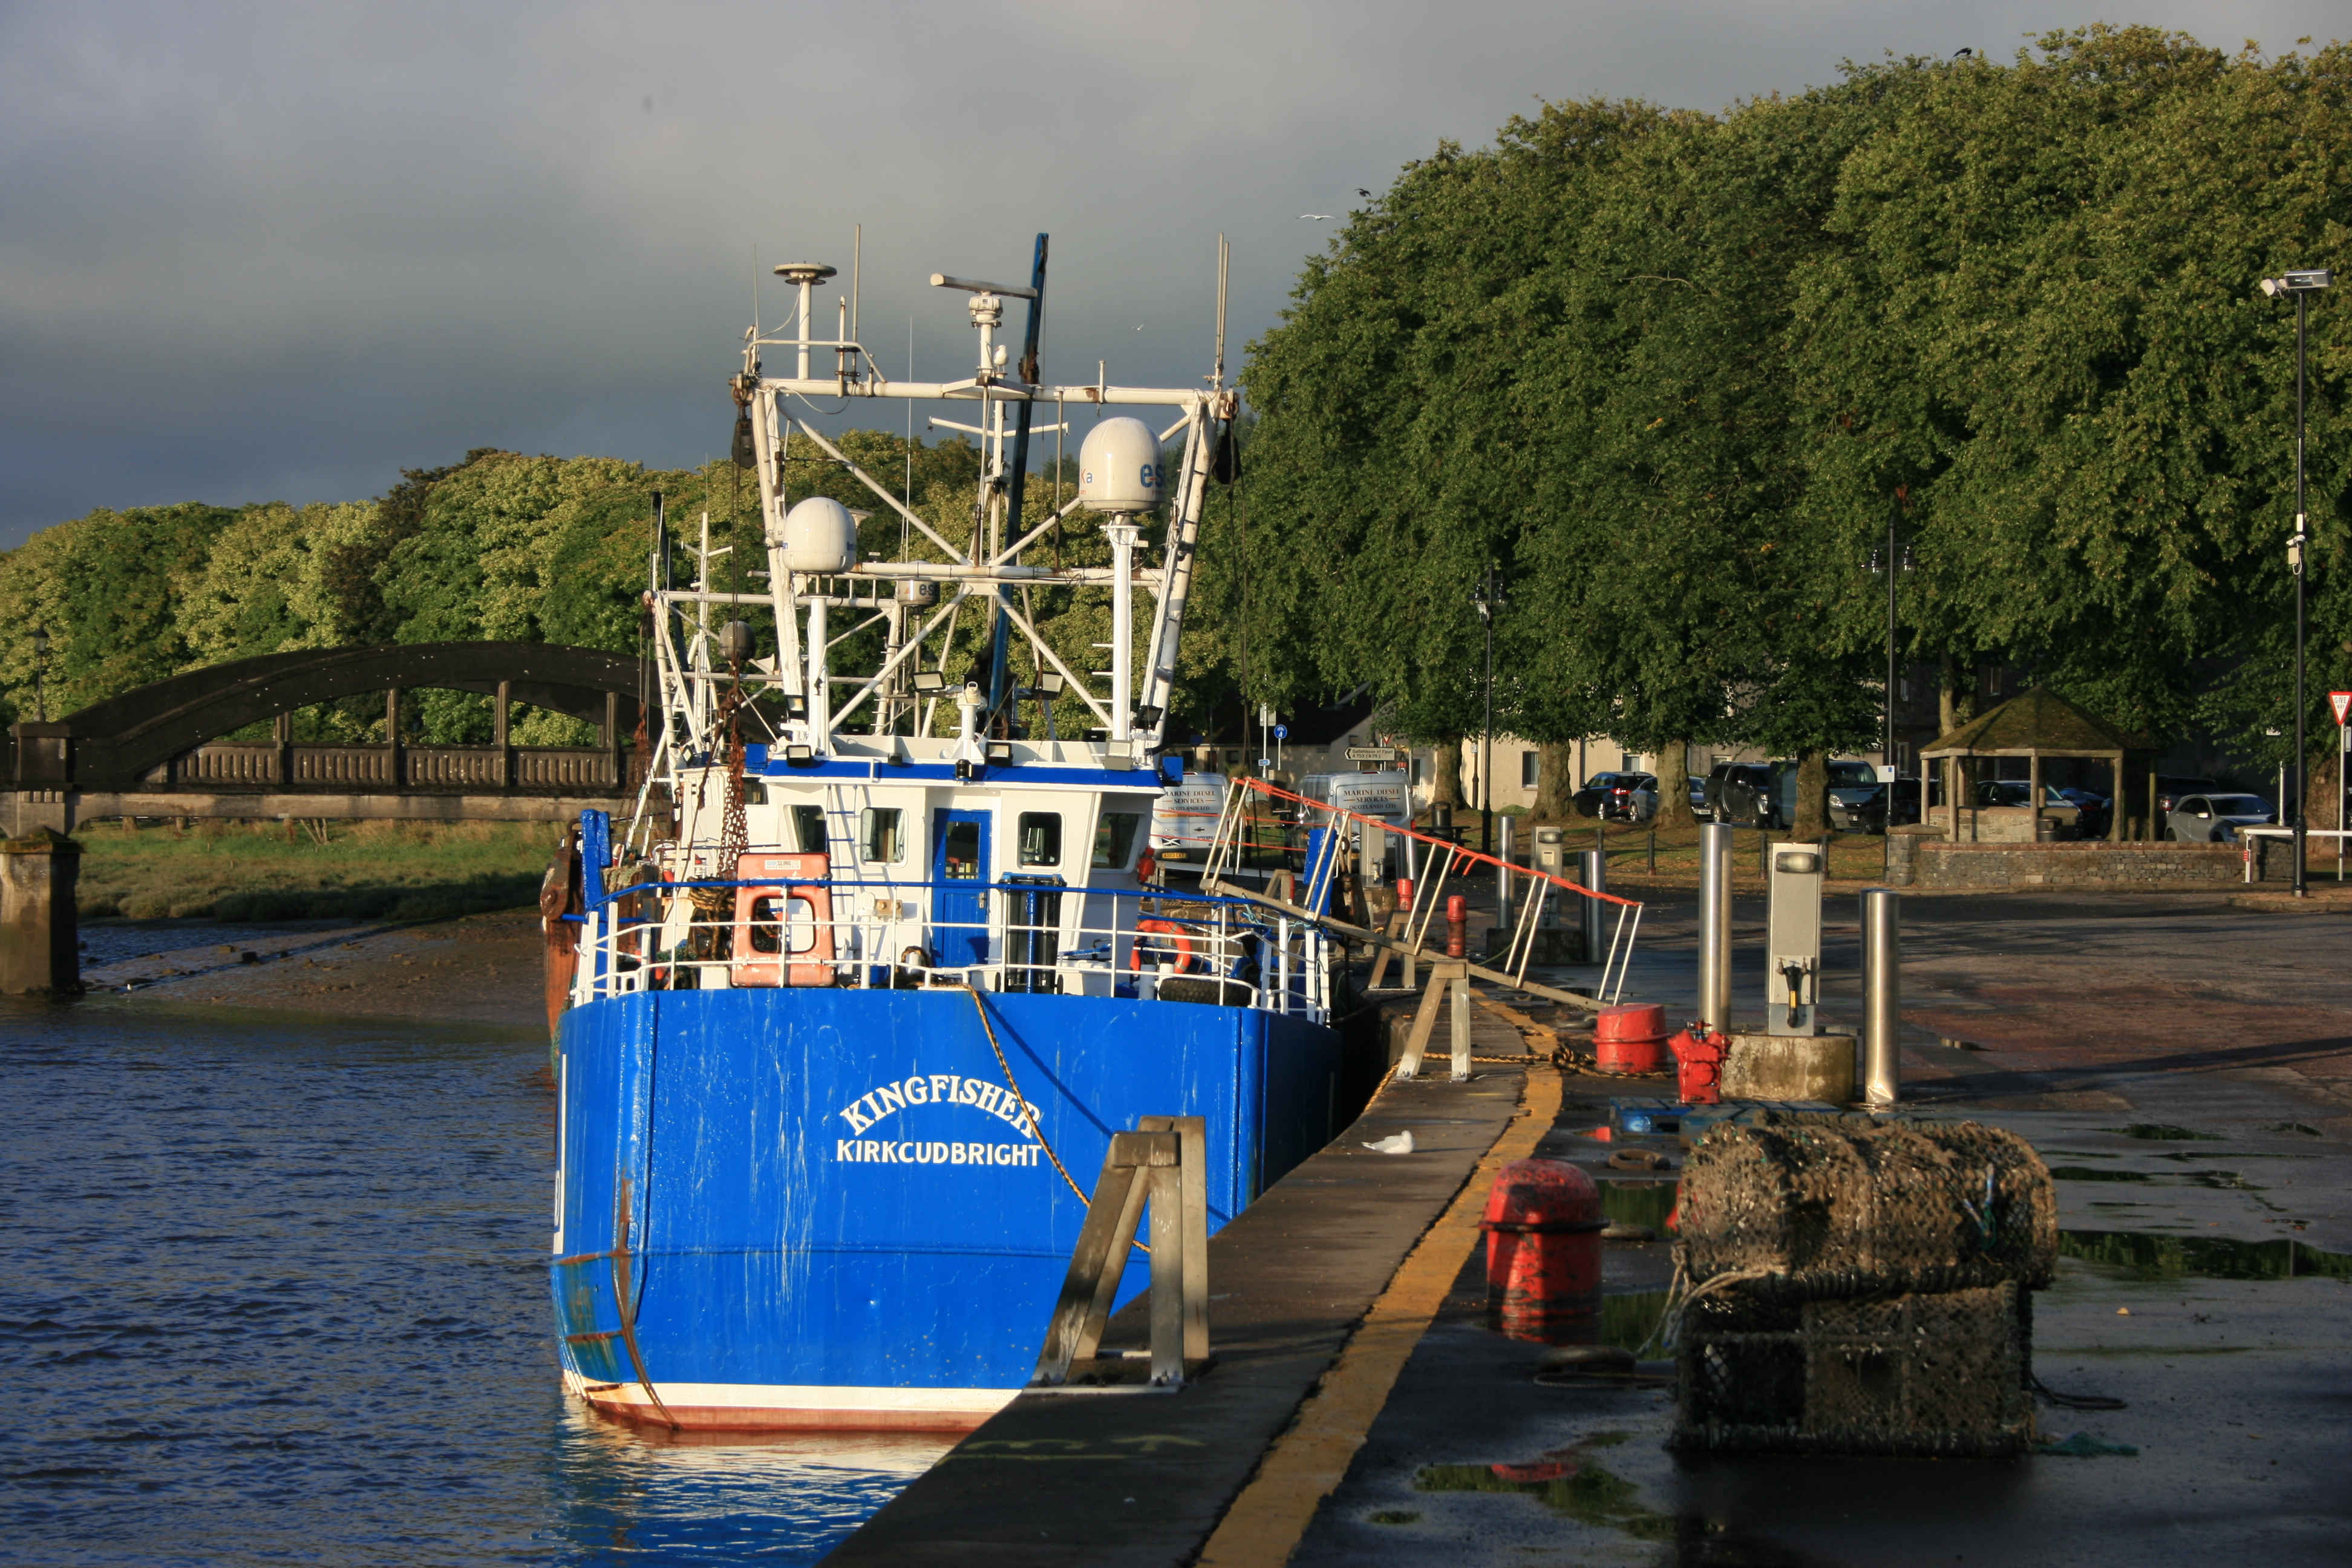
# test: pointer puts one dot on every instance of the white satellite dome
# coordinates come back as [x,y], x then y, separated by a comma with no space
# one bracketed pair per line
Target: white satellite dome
[820,536]
[1118,468]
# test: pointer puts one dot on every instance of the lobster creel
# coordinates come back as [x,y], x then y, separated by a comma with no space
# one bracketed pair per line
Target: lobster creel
[1827,1210]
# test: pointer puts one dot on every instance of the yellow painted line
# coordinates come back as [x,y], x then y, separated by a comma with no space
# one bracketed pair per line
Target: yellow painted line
[1308,1461]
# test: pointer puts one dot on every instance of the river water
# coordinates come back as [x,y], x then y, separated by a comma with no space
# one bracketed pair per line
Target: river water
[275,1291]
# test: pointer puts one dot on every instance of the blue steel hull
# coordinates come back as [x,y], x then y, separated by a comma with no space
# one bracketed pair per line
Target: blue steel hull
[824,1208]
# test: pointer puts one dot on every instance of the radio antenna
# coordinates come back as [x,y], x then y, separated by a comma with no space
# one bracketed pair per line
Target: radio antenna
[1223,254]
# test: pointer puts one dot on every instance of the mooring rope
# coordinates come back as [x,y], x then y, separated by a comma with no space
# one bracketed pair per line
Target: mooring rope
[1006,1069]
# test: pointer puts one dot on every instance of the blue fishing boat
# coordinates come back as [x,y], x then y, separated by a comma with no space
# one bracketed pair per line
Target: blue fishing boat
[871,977]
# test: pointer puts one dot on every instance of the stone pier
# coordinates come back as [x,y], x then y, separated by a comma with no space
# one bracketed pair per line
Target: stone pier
[40,940]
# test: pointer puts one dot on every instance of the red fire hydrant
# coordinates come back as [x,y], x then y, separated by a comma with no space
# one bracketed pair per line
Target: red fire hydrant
[1698,1064]
[1543,1253]
[1457,926]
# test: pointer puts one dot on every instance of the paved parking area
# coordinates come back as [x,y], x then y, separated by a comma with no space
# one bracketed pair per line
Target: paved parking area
[2186,1069]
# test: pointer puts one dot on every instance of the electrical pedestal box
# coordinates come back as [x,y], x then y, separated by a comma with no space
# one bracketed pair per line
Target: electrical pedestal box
[1792,962]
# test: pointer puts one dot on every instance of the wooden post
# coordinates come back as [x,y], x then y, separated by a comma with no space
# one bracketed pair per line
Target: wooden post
[1166,1164]
[1462,1026]
[498,735]
[2115,807]
[2033,792]
[612,740]
[40,940]
[392,735]
[285,734]
[1424,1020]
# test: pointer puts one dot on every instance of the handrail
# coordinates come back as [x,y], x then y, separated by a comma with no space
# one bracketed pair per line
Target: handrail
[1079,889]
[1457,850]
[1614,966]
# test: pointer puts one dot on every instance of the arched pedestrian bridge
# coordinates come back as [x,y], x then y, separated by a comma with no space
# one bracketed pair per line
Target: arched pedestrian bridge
[155,751]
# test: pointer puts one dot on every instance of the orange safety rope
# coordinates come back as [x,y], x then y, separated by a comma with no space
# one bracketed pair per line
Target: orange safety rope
[1260,786]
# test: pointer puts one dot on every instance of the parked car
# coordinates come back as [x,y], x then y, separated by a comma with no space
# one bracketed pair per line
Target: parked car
[1618,797]
[1740,792]
[1864,810]
[2056,809]
[1849,785]
[2171,790]
[2216,819]
[1697,782]
[2098,811]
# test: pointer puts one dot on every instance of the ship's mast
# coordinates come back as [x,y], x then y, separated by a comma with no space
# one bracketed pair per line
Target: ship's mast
[987,566]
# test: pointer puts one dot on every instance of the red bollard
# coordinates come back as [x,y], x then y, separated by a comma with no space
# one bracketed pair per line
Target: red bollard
[1630,1038]
[1404,895]
[1543,1253]
[1457,926]
[1698,1064]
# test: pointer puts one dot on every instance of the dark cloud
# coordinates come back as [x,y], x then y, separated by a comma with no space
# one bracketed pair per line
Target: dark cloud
[283,252]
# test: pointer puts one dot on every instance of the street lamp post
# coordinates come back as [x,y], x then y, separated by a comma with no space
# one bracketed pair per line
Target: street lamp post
[1489,599]
[2301,285]
[40,668]
[1895,561]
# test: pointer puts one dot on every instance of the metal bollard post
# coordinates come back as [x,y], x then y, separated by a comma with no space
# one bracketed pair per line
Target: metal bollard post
[1594,874]
[1882,994]
[1506,830]
[1715,924]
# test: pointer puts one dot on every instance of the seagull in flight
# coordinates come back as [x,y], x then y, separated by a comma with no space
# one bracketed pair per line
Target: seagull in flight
[1314,217]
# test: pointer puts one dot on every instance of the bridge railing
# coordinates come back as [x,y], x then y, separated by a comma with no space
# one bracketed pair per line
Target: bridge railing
[255,765]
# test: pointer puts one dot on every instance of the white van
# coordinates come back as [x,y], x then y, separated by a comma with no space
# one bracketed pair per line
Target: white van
[1184,819]
[1388,796]
[1385,795]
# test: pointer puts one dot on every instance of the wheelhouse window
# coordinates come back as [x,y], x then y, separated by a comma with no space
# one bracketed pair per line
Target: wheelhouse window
[808,829]
[1040,838]
[1115,837]
[878,834]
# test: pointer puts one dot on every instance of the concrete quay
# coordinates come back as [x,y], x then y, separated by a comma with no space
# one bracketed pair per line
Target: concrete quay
[2184,1067]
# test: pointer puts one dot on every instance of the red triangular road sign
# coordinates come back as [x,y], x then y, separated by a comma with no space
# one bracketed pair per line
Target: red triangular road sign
[2342,702]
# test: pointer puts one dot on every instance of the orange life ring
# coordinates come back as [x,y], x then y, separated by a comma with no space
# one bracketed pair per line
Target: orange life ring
[1160,928]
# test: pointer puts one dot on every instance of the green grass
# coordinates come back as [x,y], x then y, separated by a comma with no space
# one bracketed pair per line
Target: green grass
[354,871]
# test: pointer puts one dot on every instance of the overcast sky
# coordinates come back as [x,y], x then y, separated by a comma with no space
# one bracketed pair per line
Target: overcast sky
[252,253]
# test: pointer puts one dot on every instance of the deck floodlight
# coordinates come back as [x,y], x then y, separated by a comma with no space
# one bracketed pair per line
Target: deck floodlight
[1000,753]
[799,756]
[2305,280]
[1049,684]
[930,681]
[1146,717]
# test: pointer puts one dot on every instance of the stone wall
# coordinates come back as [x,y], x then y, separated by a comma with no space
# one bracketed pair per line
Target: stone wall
[1924,860]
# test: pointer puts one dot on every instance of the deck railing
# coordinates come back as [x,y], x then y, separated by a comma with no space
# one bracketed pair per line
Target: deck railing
[1035,937]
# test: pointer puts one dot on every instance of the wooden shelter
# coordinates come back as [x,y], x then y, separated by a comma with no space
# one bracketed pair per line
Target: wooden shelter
[2034,725]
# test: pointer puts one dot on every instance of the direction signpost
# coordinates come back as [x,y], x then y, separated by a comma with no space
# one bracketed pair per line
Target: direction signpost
[2341,702]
